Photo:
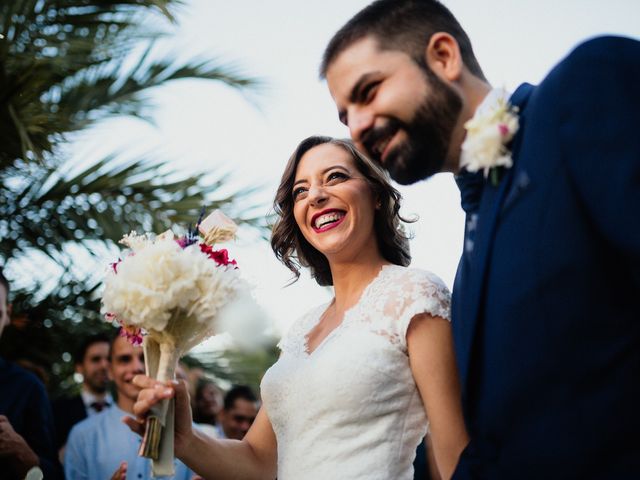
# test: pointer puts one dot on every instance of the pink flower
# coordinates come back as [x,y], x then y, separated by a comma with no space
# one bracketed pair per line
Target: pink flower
[114,265]
[221,257]
[182,241]
[133,334]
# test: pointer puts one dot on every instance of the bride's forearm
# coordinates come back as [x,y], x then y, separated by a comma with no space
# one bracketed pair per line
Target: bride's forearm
[222,459]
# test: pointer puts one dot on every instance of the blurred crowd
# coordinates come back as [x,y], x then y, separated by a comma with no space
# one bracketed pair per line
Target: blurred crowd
[82,436]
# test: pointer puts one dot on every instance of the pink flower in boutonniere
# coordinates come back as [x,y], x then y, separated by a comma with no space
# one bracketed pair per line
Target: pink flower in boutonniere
[488,134]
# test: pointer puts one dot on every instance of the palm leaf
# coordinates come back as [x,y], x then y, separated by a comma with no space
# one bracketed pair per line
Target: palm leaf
[60,72]
[60,69]
[49,209]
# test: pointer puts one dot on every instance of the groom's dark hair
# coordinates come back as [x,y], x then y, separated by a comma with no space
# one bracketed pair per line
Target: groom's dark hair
[404,25]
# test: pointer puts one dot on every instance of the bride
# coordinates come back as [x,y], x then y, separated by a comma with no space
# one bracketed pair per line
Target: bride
[357,379]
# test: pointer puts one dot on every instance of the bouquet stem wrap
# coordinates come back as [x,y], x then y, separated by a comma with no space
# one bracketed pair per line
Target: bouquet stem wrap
[161,360]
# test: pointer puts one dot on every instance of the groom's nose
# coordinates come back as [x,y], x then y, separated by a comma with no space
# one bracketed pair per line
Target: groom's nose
[360,121]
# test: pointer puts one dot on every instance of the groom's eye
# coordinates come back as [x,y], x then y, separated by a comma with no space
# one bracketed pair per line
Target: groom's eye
[368,92]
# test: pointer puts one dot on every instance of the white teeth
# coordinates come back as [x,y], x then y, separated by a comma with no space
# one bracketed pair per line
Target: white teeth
[323,220]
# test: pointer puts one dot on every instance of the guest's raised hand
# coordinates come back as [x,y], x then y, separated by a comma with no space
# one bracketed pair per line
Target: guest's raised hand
[14,448]
[121,472]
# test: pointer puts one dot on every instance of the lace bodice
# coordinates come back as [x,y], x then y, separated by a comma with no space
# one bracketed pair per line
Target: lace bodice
[351,409]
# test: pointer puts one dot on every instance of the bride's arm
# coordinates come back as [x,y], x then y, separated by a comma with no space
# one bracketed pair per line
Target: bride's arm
[253,458]
[432,360]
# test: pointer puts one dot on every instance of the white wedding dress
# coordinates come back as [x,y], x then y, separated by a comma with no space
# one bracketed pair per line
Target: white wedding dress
[351,409]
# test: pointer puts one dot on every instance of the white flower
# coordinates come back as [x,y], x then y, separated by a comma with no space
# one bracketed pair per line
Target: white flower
[488,133]
[136,242]
[179,294]
[165,288]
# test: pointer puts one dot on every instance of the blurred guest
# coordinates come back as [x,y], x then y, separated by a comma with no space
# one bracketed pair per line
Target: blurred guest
[195,380]
[26,423]
[239,412]
[194,374]
[101,444]
[207,403]
[92,362]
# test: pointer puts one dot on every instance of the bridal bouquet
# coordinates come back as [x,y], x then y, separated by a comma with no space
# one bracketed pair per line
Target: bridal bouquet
[170,293]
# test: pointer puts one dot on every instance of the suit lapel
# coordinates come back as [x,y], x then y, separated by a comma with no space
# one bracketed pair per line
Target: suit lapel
[80,408]
[473,278]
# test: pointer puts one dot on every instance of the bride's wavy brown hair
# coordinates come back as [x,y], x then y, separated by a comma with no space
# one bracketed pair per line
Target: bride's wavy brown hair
[294,251]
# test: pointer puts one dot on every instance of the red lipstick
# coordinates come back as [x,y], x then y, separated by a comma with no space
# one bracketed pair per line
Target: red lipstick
[328,226]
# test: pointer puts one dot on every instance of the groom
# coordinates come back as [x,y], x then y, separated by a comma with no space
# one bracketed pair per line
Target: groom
[546,307]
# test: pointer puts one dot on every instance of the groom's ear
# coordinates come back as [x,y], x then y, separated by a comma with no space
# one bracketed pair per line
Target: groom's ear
[443,57]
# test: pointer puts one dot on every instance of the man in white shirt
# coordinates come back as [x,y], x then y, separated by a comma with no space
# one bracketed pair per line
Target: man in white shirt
[102,444]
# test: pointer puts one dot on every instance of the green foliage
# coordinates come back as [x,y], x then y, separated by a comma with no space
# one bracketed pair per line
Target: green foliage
[238,367]
[46,210]
[65,65]
[43,336]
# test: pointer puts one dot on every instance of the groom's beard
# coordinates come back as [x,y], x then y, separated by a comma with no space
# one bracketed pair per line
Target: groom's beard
[424,151]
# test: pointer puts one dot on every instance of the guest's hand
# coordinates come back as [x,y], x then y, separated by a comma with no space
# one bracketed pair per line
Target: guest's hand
[14,448]
[153,392]
[121,472]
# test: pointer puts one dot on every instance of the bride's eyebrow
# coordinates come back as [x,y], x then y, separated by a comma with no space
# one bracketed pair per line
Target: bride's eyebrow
[336,167]
[324,172]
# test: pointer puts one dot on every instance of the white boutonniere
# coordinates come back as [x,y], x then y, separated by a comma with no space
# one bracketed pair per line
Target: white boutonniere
[488,134]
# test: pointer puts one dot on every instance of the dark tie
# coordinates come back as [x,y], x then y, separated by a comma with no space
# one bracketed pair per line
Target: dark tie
[471,186]
[99,406]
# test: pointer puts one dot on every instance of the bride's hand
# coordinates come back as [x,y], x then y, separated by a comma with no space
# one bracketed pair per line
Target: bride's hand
[153,392]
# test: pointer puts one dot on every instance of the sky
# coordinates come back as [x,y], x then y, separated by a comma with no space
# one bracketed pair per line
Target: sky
[206,127]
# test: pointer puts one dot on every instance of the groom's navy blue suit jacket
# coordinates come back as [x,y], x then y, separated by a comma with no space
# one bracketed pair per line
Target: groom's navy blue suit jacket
[546,306]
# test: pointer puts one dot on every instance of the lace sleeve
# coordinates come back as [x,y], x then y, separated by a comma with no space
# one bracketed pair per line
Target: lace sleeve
[415,292]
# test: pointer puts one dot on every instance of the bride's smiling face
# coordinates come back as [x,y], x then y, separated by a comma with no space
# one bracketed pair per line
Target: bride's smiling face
[333,204]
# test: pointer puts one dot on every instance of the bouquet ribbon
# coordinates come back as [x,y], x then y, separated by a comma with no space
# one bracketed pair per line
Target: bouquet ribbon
[157,444]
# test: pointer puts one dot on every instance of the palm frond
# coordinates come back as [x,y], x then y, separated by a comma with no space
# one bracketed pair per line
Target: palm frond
[60,68]
[237,367]
[103,202]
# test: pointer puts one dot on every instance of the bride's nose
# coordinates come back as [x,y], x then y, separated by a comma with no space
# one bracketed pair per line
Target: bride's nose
[317,195]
